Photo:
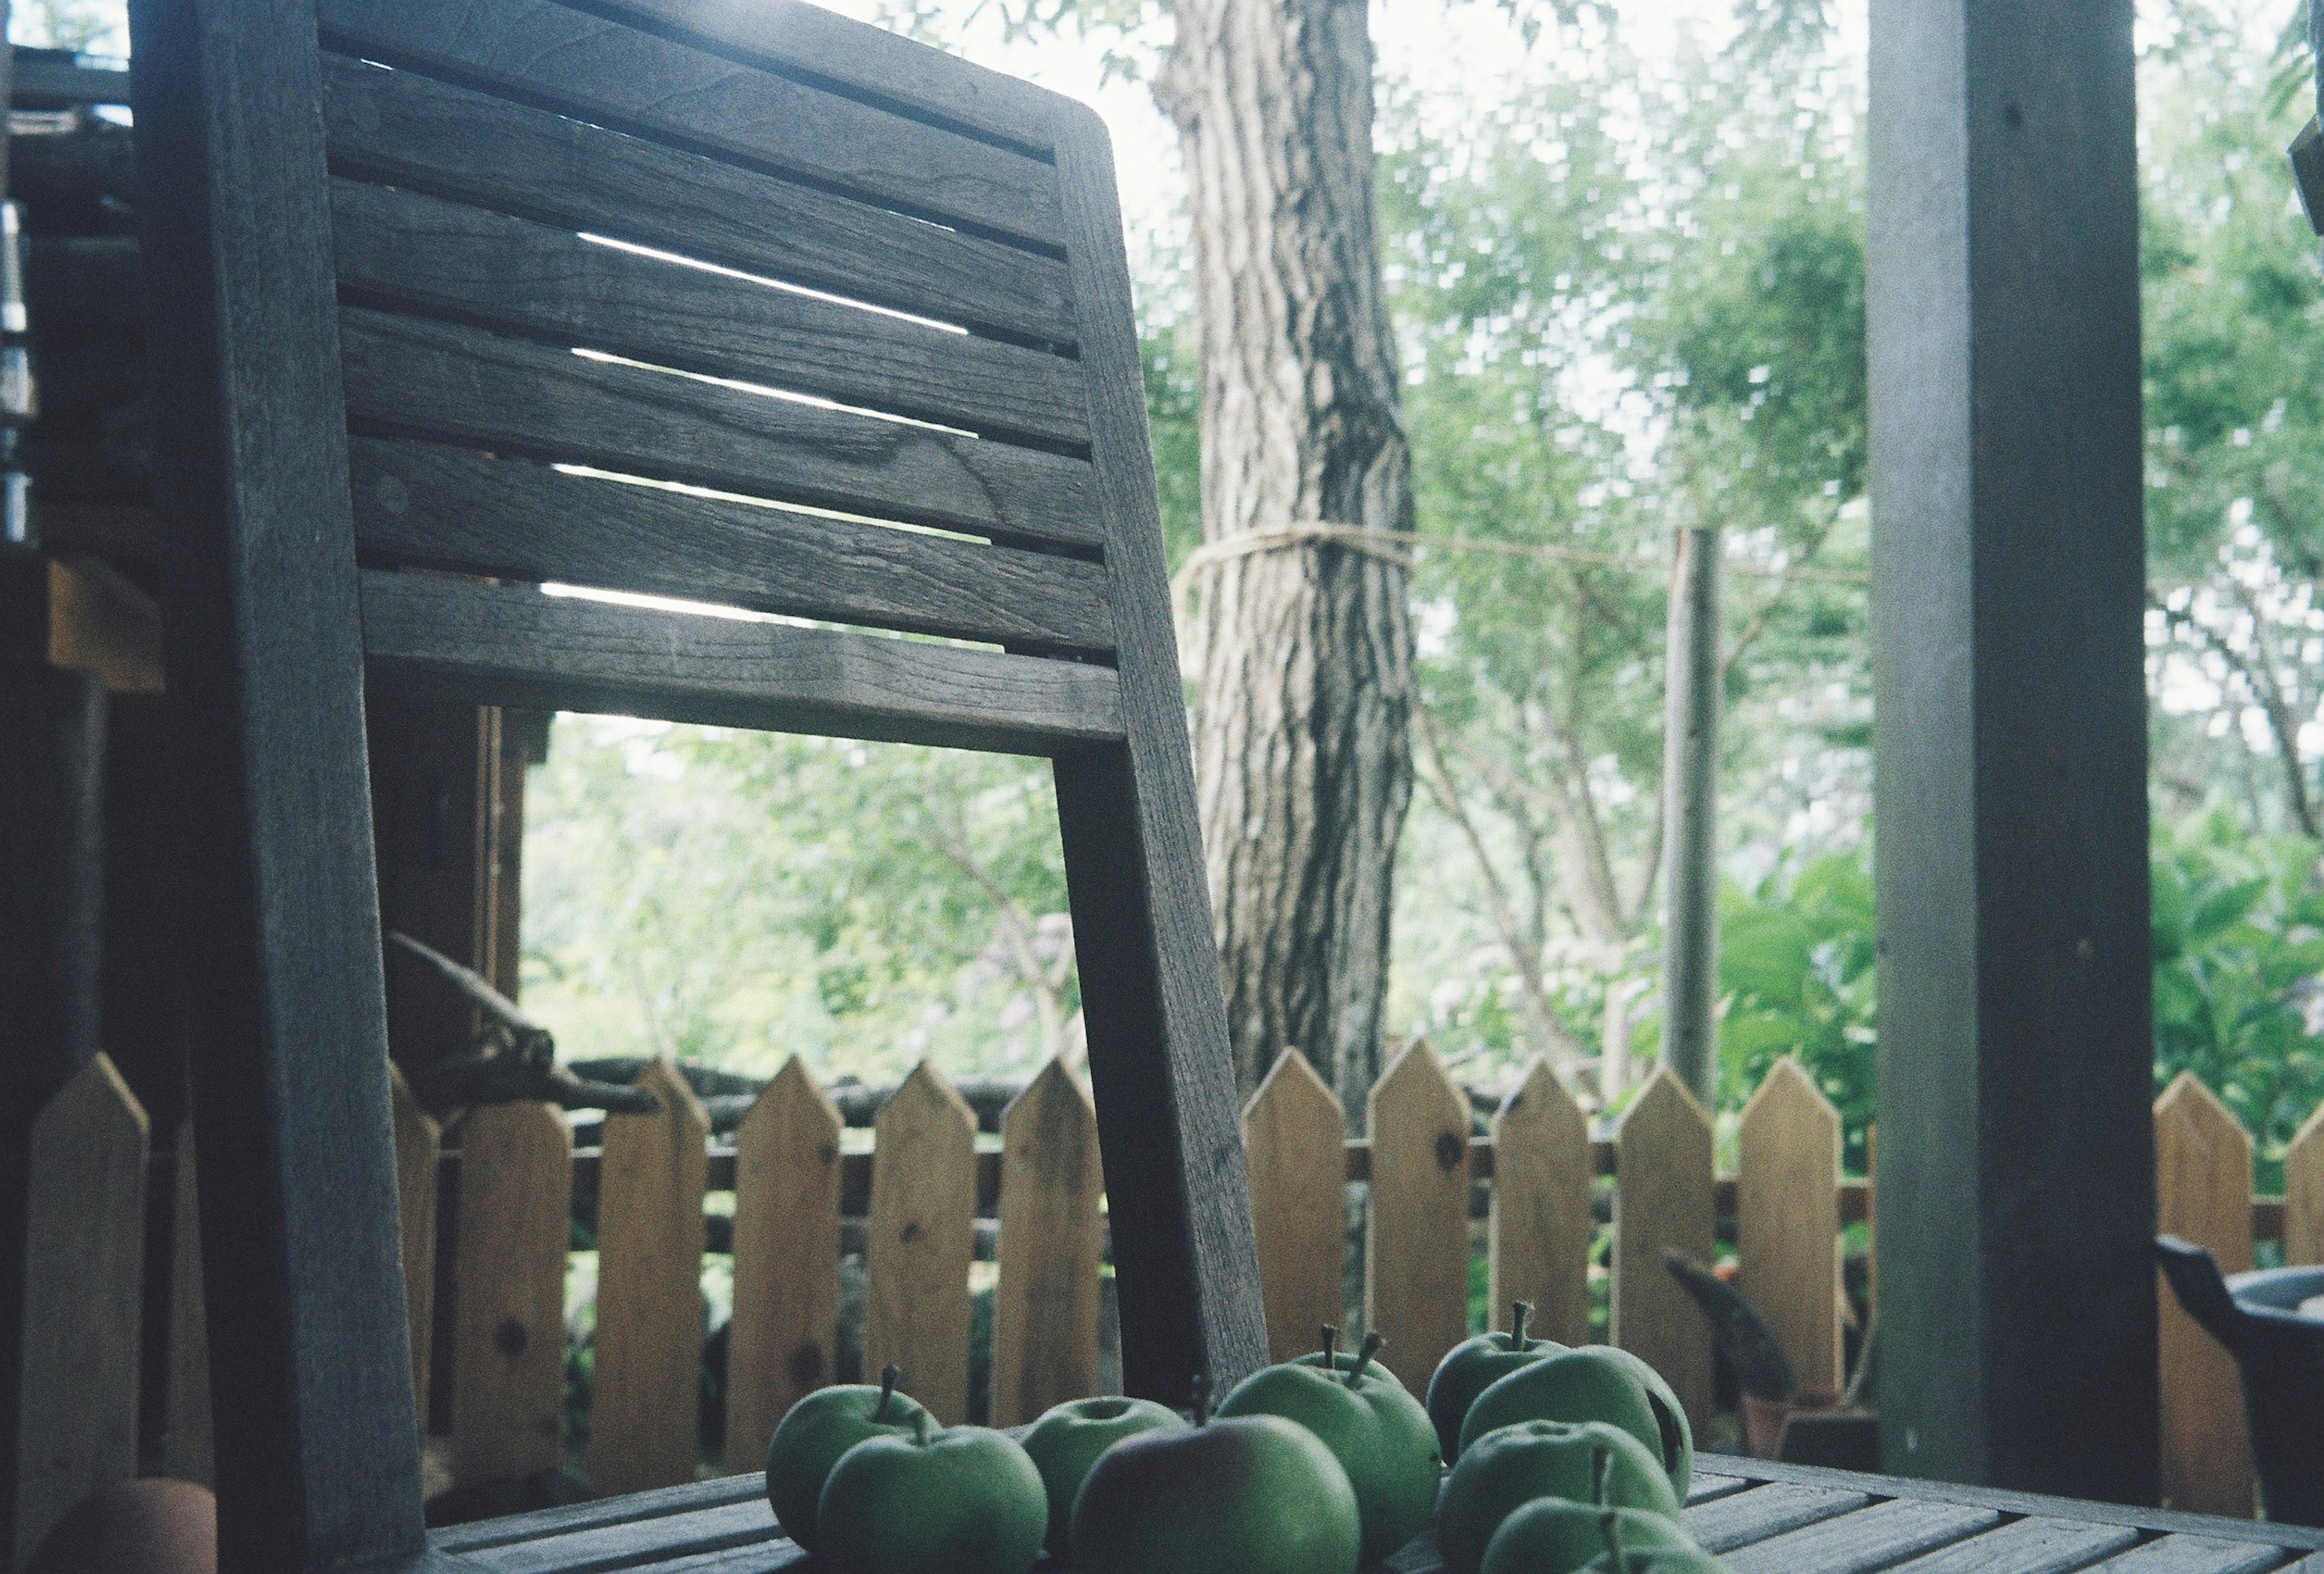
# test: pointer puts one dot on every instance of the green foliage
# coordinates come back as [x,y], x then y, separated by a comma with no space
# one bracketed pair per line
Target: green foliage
[2238,924]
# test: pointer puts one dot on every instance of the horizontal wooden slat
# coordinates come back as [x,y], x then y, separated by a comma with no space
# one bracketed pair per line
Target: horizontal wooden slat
[626,78]
[888,66]
[1728,1522]
[1704,1488]
[510,645]
[420,133]
[765,1558]
[1870,1538]
[2030,1546]
[2196,1554]
[571,1517]
[409,377]
[455,508]
[405,249]
[625,1546]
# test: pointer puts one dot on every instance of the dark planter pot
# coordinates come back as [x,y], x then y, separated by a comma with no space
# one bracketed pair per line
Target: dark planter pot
[2279,1352]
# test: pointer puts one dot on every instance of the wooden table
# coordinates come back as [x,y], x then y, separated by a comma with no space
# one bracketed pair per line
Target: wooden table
[1761,1518]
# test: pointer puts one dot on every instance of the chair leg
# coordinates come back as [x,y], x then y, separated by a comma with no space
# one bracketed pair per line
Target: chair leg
[1163,1080]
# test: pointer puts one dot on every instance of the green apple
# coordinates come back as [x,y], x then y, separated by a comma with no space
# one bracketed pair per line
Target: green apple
[1067,1440]
[1555,1535]
[1502,1471]
[1474,1366]
[1592,1382]
[1380,1433]
[965,1500]
[1245,1494]
[816,1432]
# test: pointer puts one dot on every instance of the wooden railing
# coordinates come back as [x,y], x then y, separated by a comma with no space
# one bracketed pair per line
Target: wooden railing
[912,1204]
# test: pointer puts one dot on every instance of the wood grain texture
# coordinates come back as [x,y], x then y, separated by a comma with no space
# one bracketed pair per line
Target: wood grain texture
[631,80]
[922,1232]
[405,250]
[645,1405]
[1871,1538]
[782,1343]
[430,135]
[316,1461]
[633,1508]
[680,1538]
[417,1143]
[1541,1227]
[2189,1554]
[2203,1187]
[507,1359]
[2028,1546]
[512,645]
[1044,1312]
[1787,1220]
[409,377]
[85,1238]
[1418,1230]
[1291,1136]
[1726,1524]
[2304,1194]
[187,1452]
[1664,1199]
[1160,1064]
[453,508]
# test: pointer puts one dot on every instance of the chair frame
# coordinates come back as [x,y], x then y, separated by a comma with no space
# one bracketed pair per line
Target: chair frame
[317,1448]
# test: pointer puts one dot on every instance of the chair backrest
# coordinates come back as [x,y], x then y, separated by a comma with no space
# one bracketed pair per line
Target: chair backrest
[723,301]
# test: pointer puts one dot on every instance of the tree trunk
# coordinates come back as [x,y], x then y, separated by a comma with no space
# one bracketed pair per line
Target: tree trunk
[1302,644]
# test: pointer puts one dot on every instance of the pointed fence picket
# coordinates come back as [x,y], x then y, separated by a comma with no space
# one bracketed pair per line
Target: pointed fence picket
[782,1343]
[1292,1133]
[510,1179]
[921,1238]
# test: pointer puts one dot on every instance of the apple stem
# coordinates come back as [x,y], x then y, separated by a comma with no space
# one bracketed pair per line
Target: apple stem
[1518,1312]
[1601,1460]
[1201,1399]
[890,1375]
[1331,1347]
[1372,1343]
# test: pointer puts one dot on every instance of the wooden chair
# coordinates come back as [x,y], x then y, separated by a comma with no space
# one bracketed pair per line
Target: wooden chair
[424,274]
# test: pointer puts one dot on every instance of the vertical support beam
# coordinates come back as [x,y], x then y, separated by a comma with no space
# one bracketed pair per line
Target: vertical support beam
[1692,671]
[2017,1187]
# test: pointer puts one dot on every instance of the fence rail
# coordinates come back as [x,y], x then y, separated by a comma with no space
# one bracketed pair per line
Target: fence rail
[919,1202]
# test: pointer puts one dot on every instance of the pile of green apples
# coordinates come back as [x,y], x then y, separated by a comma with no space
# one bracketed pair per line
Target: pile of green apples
[1566,1460]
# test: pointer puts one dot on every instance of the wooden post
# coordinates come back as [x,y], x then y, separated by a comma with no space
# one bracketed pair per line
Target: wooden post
[1052,1246]
[1664,1196]
[922,1236]
[1294,1134]
[1542,1226]
[645,1406]
[85,1237]
[1787,1220]
[1692,671]
[781,1344]
[1418,1249]
[2017,1195]
[508,1354]
[2203,1192]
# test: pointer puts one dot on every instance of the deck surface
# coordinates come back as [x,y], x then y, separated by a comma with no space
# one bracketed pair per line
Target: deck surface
[1760,1518]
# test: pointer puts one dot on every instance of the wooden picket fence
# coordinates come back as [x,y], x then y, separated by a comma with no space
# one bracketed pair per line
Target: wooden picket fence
[788,1176]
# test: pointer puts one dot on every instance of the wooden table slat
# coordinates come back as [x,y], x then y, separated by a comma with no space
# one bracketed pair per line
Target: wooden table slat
[1870,1538]
[1763,1511]
[765,1558]
[2194,1554]
[569,1517]
[637,1542]
[2030,1546]
[1707,1488]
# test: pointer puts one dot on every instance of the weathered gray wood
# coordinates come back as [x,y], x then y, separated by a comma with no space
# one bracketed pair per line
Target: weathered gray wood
[409,377]
[2016,1149]
[1870,1538]
[1704,1488]
[426,135]
[403,249]
[631,80]
[455,508]
[2030,1546]
[2194,1554]
[1160,1064]
[615,1546]
[510,645]
[1728,1522]
[317,1455]
[485,1534]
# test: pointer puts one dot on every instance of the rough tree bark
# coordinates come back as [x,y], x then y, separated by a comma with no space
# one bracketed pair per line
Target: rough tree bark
[1300,645]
